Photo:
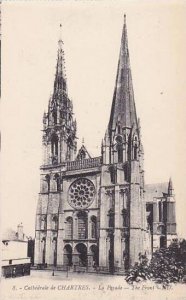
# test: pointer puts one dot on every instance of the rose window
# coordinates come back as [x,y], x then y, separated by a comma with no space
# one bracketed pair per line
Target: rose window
[81,193]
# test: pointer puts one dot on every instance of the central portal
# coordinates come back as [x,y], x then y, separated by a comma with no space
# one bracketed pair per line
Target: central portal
[81,253]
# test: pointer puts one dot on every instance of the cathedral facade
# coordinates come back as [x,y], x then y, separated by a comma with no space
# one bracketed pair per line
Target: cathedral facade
[92,212]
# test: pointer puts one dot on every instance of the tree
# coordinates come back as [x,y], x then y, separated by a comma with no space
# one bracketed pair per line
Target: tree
[167,265]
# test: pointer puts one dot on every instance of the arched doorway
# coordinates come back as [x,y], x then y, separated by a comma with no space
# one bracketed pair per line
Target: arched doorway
[68,255]
[81,252]
[94,256]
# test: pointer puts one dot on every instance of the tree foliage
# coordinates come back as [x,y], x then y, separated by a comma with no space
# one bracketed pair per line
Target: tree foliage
[167,265]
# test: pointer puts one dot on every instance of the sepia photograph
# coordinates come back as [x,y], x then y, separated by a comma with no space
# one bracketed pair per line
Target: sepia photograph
[93,144]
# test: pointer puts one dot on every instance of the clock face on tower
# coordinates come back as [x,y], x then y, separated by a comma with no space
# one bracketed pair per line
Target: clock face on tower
[81,193]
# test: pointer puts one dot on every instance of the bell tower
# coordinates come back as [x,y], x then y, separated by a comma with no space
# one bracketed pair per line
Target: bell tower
[59,128]
[59,147]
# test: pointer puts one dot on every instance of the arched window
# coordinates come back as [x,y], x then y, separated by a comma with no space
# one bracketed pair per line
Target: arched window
[111,218]
[113,174]
[55,222]
[119,148]
[135,149]
[54,145]
[69,228]
[126,171]
[43,222]
[164,211]
[125,218]
[47,178]
[120,153]
[58,182]
[82,225]
[63,117]
[54,114]
[69,148]
[160,211]
[119,129]
[93,227]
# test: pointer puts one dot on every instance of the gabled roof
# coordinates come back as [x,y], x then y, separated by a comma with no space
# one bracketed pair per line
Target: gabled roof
[82,153]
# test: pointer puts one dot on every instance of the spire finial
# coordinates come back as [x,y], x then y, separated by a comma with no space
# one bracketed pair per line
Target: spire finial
[60,31]
[83,141]
[124,18]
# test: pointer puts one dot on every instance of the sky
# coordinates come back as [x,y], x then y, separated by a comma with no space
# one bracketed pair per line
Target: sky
[91,31]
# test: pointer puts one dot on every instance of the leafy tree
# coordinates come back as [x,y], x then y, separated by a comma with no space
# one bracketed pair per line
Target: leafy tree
[167,265]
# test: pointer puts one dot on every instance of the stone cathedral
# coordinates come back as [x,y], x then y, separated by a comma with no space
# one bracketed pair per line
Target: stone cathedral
[97,212]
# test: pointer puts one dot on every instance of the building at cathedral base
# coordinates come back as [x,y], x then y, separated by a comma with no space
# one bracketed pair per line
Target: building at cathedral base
[161,219]
[92,211]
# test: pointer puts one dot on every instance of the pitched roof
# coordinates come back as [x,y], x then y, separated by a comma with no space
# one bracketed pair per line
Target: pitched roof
[82,153]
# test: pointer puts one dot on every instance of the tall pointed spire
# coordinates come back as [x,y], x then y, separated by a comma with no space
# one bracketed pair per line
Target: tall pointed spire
[60,76]
[123,105]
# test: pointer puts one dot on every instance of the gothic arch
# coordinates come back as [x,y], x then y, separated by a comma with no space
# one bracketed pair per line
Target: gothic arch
[125,217]
[54,144]
[43,222]
[54,116]
[55,222]
[67,255]
[81,250]
[69,147]
[119,127]
[93,220]
[119,147]
[111,218]
[47,179]
[58,182]
[94,252]
[69,228]
[135,146]
[82,225]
